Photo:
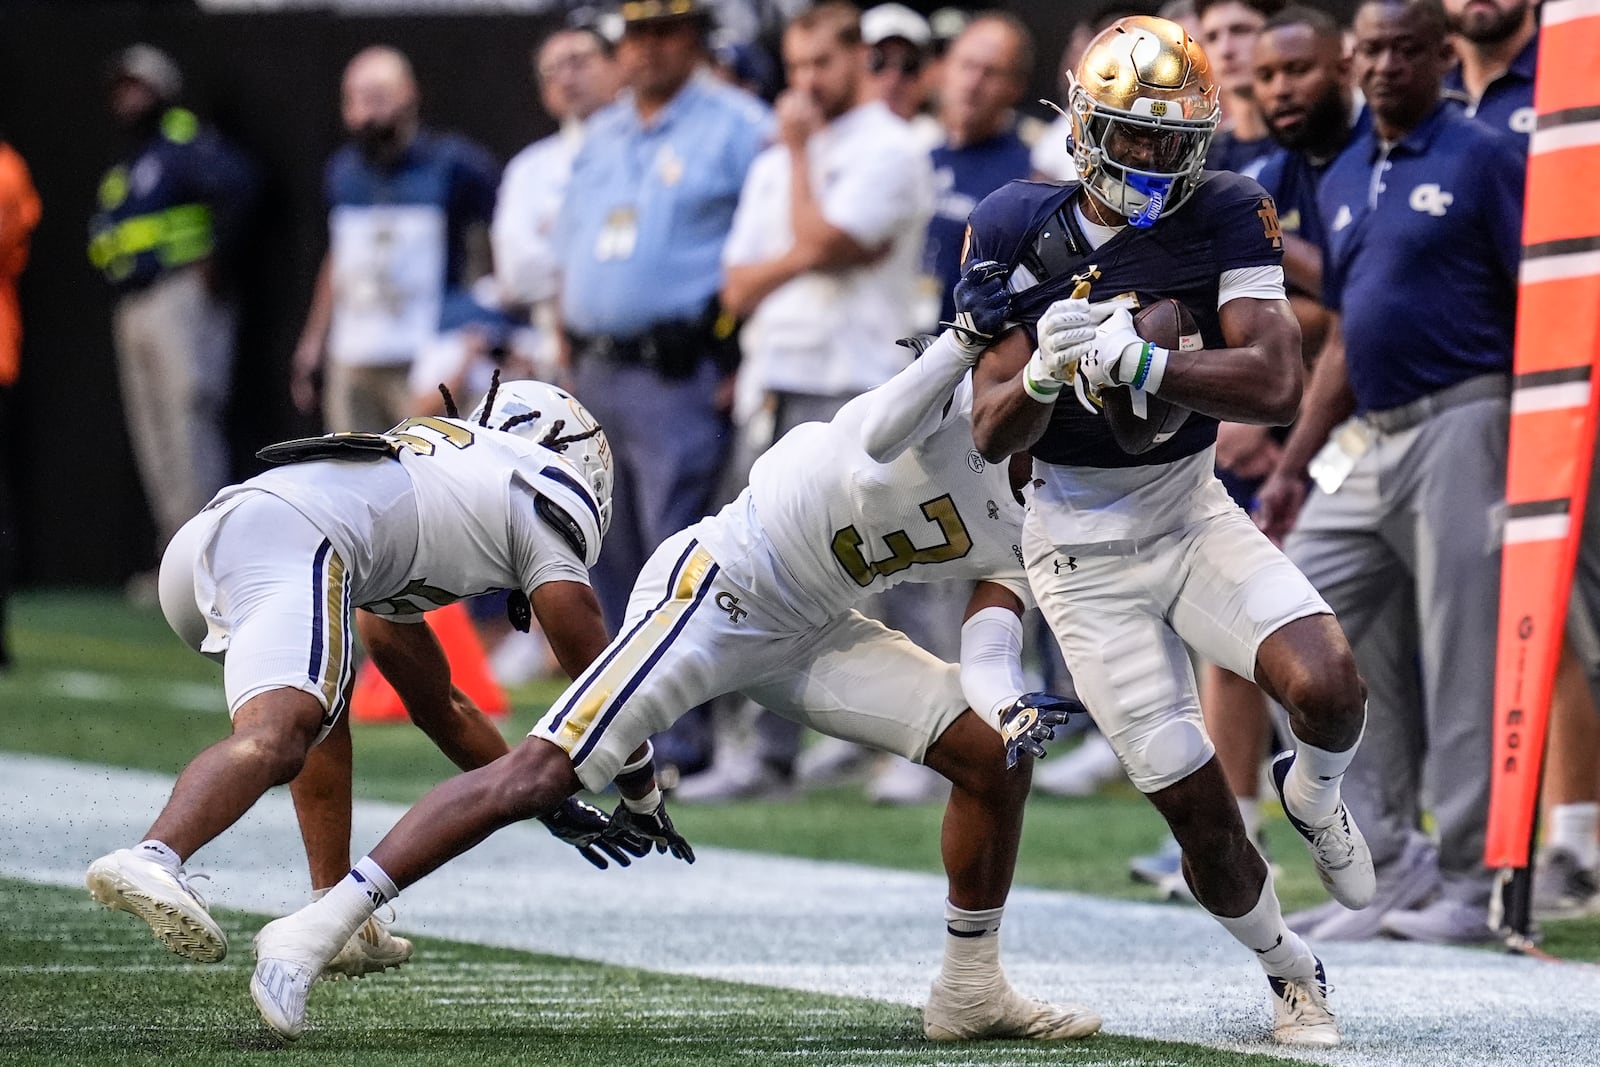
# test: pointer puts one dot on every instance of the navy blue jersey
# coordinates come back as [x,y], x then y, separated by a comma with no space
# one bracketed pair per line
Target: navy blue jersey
[1424,241]
[1228,152]
[1229,223]
[1507,102]
[1292,179]
[962,177]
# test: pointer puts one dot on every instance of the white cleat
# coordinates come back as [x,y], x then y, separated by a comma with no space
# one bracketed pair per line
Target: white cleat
[1001,1012]
[1344,862]
[372,949]
[144,887]
[290,953]
[1300,1012]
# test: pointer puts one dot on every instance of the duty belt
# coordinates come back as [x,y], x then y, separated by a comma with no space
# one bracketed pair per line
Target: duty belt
[1404,417]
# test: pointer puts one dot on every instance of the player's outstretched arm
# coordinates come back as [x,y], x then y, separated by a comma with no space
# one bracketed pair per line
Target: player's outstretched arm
[991,675]
[411,658]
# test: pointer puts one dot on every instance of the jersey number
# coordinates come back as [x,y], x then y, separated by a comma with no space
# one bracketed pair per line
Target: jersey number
[422,435]
[942,510]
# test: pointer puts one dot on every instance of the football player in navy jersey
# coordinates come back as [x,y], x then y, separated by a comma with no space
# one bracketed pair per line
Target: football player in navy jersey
[1134,557]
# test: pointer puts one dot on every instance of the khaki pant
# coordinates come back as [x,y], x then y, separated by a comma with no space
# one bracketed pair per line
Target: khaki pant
[366,399]
[174,344]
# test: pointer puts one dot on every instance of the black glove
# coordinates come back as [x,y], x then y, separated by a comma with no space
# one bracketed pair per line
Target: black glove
[1031,720]
[590,831]
[655,828]
[983,300]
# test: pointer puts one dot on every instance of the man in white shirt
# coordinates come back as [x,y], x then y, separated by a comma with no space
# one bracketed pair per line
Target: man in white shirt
[577,76]
[822,260]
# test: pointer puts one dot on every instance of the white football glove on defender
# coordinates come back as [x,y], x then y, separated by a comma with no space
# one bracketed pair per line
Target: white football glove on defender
[1119,356]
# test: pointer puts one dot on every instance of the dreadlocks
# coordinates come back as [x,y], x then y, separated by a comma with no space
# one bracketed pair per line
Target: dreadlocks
[450,411]
[488,401]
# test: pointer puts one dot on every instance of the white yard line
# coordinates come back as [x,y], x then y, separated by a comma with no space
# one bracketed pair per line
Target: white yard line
[1155,971]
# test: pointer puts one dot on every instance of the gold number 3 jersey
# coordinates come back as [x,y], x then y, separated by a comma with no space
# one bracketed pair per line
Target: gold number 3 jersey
[844,526]
[454,510]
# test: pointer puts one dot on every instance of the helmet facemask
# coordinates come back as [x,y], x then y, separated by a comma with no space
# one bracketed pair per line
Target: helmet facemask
[1143,108]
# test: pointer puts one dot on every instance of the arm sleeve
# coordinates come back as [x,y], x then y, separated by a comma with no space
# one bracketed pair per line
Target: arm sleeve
[539,554]
[991,662]
[910,406]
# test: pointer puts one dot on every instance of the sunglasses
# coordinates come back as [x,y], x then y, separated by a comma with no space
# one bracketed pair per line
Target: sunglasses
[878,63]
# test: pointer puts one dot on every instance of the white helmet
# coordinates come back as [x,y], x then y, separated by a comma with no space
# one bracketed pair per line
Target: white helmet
[553,418]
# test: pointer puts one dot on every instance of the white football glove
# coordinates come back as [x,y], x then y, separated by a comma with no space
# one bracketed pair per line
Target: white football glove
[1066,332]
[1119,356]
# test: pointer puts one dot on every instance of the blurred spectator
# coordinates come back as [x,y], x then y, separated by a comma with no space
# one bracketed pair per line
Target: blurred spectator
[900,41]
[1497,45]
[166,233]
[577,75]
[640,237]
[747,66]
[408,224]
[19,214]
[1228,30]
[1423,211]
[822,264]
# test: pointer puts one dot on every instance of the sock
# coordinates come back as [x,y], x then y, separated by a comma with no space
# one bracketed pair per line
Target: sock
[1281,951]
[155,850]
[376,879]
[1250,813]
[1573,827]
[971,945]
[1311,788]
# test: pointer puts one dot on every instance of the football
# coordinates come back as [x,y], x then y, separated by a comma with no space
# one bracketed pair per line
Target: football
[1169,324]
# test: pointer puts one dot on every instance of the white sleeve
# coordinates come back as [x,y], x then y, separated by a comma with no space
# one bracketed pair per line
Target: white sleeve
[538,552]
[523,228]
[1261,283]
[755,216]
[908,407]
[991,662]
[881,194]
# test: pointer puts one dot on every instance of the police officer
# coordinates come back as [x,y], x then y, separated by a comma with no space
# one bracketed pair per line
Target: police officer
[1423,221]
[169,216]
[640,237]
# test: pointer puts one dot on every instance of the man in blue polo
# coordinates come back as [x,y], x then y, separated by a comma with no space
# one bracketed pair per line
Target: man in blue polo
[1423,219]
[1498,45]
[408,226]
[640,237]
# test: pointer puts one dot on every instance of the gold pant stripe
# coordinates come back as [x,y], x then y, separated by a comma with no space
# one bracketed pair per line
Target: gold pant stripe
[334,614]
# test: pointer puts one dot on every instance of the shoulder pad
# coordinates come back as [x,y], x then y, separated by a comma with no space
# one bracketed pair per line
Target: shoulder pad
[1004,221]
[567,506]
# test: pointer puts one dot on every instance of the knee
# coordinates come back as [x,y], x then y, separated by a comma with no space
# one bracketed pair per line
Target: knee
[1325,692]
[530,780]
[282,752]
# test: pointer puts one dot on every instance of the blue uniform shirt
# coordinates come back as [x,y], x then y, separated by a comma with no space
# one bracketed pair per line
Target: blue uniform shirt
[962,177]
[180,197]
[1292,180]
[1228,224]
[1228,152]
[1423,242]
[1507,102]
[648,208]
[441,170]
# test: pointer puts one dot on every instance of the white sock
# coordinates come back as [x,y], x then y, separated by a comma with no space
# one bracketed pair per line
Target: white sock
[1311,788]
[1574,828]
[376,879]
[1281,951]
[971,944]
[1250,814]
[156,850]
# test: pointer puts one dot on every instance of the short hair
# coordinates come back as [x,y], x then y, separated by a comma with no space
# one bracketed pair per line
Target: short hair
[1433,17]
[1264,8]
[835,15]
[1320,22]
[1027,50]
[607,47]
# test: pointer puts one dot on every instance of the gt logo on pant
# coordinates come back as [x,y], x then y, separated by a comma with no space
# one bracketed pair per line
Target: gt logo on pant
[730,603]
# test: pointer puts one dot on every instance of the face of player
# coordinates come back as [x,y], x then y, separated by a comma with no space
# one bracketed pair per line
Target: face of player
[657,58]
[823,68]
[982,81]
[576,78]
[133,103]
[896,67]
[1301,86]
[1228,33]
[1140,148]
[1487,21]
[1399,61]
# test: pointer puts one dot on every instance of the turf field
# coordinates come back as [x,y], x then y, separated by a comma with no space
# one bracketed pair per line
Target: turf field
[102,684]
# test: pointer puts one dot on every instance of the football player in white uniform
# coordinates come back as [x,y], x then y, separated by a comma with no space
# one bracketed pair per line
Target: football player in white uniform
[266,578]
[760,599]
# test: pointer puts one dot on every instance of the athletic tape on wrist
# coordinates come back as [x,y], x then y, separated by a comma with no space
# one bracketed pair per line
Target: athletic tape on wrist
[645,805]
[1044,394]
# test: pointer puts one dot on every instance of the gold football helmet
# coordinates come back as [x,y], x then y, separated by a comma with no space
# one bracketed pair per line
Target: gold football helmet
[1144,109]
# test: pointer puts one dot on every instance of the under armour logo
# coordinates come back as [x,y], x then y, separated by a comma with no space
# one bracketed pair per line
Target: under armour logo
[730,604]
[1071,564]
[1431,199]
[994,510]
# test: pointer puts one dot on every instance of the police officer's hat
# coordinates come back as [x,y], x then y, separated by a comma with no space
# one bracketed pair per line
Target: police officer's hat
[640,12]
